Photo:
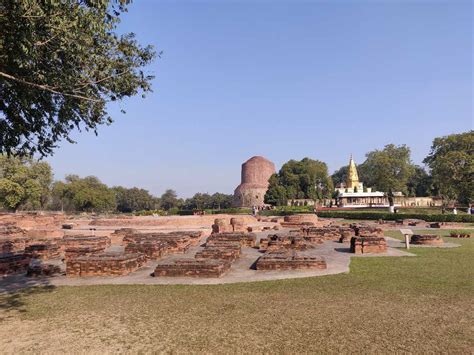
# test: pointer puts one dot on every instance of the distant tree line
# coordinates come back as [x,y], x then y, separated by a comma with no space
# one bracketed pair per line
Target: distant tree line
[26,184]
[449,173]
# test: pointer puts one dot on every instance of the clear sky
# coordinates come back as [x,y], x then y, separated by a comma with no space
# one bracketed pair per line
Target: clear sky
[282,79]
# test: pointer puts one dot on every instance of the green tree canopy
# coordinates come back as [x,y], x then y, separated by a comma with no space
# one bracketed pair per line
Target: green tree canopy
[87,194]
[24,183]
[201,201]
[307,178]
[388,169]
[60,63]
[451,161]
[169,200]
[134,199]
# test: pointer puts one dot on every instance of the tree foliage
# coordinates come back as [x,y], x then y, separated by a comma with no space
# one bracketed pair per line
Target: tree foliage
[451,161]
[305,179]
[60,63]
[24,183]
[169,200]
[202,201]
[134,199]
[87,194]
[388,169]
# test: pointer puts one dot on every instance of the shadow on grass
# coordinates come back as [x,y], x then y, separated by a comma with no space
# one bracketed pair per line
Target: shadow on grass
[15,288]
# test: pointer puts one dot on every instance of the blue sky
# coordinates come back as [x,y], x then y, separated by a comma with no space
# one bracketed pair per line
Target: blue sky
[282,79]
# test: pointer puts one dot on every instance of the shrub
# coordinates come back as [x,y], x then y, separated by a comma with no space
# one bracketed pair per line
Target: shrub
[394,216]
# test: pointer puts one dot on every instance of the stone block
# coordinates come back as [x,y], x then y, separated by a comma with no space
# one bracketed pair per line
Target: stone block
[364,245]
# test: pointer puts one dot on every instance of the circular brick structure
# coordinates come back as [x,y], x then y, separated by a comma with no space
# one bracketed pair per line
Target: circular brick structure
[254,183]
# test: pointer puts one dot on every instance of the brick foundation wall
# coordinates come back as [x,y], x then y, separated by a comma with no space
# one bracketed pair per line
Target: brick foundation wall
[289,260]
[364,245]
[192,268]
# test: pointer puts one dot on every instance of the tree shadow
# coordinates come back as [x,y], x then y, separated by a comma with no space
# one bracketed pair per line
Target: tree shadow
[15,289]
[343,250]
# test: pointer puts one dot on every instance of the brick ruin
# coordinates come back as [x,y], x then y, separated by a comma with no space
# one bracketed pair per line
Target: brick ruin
[289,260]
[220,250]
[299,220]
[44,250]
[277,242]
[105,264]
[38,269]
[192,268]
[245,239]
[426,239]
[11,263]
[236,224]
[79,245]
[364,245]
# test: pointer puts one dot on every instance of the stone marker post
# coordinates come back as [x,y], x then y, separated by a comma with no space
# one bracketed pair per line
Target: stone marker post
[407,233]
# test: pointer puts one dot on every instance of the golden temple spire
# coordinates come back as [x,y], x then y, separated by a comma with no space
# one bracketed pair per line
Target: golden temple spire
[352,176]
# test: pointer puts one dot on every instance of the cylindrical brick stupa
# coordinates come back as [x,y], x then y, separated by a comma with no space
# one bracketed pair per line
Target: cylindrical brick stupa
[255,174]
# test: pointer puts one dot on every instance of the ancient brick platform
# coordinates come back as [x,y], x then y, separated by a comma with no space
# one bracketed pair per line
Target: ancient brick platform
[277,242]
[73,252]
[11,230]
[364,245]
[426,239]
[44,251]
[245,239]
[153,249]
[367,230]
[299,220]
[289,260]
[74,241]
[192,268]
[14,263]
[104,265]
[170,243]
[220,250]
[14,244]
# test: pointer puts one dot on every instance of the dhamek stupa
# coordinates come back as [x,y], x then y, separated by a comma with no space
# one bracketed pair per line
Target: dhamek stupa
[254,182]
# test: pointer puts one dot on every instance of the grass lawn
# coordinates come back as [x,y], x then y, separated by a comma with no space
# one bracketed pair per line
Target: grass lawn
[419,304]
[442,232]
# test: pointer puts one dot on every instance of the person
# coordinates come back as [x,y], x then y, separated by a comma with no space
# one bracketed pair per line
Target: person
[254,211]
[455,211]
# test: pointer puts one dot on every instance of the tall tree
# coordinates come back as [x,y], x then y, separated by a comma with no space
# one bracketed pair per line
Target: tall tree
[420,184]
[307,178]
[24,183]
[134,199]
[388,169]
[87,194]
[169,200]
[451,161]
[60,63]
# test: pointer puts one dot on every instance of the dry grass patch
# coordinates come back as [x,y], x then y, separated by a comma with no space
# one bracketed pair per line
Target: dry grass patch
[413,304]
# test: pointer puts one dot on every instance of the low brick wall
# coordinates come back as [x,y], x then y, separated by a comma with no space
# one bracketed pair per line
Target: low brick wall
[221,225]
[14,263]
[426,239]
[151,249]
[245,239]
[277,242]
[74,241]
[192,268]
[289,260]
[73,252]
[44,251]
[229,251]
[364,245]
[299,220]
[14,245]
[104,265]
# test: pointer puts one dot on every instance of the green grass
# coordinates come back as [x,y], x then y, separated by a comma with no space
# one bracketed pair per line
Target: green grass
[442,232]
[419,304]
